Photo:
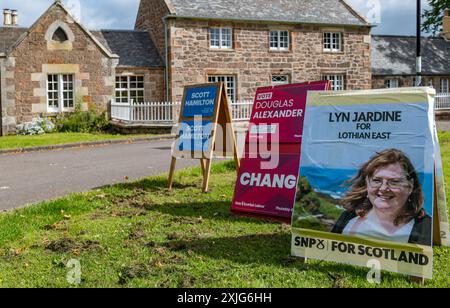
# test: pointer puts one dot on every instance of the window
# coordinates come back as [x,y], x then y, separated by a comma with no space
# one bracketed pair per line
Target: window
[129,88]
[337,81]
[279,40]
[230,83]
[444,86]
[392,83]
[60,92]
[332,42]
[60,36]
[280,80]
[221,38]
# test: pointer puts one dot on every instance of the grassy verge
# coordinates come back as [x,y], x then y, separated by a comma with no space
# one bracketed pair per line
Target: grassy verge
[142,235]
[15,142]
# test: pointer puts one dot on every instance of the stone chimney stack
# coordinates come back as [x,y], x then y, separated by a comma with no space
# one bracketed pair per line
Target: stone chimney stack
[446,25]
[14,18]
[7,17]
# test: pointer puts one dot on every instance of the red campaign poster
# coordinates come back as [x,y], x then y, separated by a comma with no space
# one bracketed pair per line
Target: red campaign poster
[270,192]
[266,187]
[278,112]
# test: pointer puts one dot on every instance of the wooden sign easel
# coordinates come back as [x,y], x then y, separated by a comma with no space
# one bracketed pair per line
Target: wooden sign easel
[221,116]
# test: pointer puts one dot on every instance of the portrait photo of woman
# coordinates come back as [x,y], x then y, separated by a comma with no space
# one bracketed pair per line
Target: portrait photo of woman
[386,202]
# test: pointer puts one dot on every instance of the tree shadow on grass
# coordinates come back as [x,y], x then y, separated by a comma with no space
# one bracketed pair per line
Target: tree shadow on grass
[152,185]
[214,209]
[270,250]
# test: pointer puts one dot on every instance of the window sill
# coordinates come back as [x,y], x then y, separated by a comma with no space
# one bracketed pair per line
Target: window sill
[279,51]
[55,112]
[330,52]
[222,49]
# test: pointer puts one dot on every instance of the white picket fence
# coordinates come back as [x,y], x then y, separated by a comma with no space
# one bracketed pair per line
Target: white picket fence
[166,112]
[149,112]
[442,101]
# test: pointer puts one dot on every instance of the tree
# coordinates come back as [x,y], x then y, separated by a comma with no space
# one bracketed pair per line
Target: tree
[433,17]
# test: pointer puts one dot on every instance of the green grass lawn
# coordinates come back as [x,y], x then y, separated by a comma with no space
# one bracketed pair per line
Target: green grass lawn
[16,142]
[142,235]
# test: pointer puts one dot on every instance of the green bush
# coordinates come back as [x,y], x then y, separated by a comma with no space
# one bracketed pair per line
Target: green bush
[311,203]
[303,188]
[82,121]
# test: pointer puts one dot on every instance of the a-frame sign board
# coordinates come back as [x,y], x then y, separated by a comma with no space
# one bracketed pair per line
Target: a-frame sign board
[205,129]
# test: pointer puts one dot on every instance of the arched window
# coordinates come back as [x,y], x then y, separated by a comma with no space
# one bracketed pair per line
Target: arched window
[60,35]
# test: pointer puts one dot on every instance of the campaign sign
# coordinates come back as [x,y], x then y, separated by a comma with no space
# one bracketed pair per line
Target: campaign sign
[441,197]
[204,111]
[278,112]
[195,136]
[264,191]
[367,180]
[200,102]
[275,131]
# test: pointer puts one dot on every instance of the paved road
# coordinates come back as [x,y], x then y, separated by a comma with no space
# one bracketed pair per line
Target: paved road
[33,177]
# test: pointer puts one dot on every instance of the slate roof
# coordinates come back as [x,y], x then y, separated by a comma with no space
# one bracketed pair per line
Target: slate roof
[8,36]
[135,48]
[396,55]
[335,12]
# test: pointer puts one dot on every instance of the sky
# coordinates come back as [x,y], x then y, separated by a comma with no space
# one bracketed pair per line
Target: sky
[396,17]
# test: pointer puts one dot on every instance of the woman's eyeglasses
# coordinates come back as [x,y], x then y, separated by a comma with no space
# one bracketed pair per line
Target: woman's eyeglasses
[391,183]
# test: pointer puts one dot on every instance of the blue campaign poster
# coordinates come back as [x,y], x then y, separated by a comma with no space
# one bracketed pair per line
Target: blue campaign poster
[200,102]
[195,136]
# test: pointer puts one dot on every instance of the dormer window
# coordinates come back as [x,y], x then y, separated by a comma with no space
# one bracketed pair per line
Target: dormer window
[60,35]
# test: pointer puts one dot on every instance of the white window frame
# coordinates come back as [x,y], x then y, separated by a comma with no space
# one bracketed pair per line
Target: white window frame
[444,87]
[278,80]
[392,83]
[64,92]
[221,38]
[229,81]
[276,42]
[131,93]
[337,81]
[332,42]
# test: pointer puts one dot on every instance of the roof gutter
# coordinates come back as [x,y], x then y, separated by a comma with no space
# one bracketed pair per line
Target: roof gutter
[425,74]
[267,21]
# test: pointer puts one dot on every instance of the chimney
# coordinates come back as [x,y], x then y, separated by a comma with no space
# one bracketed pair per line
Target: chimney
[446,25]
[6,17]
[14,17]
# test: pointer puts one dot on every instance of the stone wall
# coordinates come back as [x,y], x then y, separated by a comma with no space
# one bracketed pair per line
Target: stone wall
[251,62]
[7,101]
[154,90]
[379,82]
[38,55]
[150,18]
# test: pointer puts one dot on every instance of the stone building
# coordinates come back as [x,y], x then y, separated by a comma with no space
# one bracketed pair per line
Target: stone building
[253,43]
[394,60]
[57,63]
